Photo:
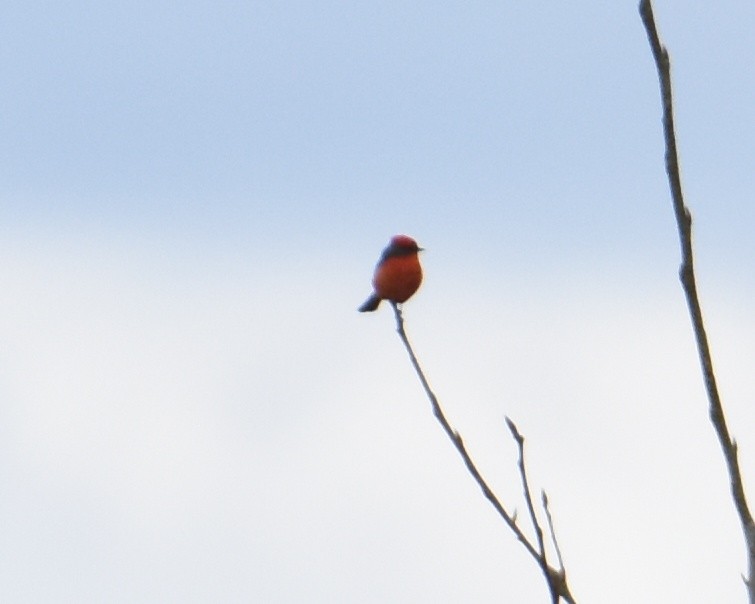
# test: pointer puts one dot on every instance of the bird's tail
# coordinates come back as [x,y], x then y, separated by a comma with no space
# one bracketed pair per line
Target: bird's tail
[370,304]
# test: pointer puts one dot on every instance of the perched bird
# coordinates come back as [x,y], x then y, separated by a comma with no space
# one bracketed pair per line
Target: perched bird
[397,275]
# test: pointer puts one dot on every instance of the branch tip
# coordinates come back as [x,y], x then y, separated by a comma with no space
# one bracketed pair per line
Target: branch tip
[514,431]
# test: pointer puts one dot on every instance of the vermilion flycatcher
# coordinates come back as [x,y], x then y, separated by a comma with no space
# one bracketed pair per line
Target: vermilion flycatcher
[398,273]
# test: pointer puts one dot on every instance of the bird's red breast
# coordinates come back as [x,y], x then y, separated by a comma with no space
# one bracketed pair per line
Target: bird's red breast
[398,273]
[398,277]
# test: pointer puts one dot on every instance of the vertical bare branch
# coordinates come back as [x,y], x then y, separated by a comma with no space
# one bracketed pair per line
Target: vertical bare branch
[687,276]
[556,579]
[552,530]
[526,486]
[542,559]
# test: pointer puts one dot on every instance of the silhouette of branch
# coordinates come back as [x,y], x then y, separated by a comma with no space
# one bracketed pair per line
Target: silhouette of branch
[525,485]
[552,532]
[556,579]
[687,277]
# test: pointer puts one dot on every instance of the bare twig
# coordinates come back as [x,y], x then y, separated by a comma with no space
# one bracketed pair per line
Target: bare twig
[542,559]
[559,578]
[556,579]
[553,532]
[525,484]
[687,277]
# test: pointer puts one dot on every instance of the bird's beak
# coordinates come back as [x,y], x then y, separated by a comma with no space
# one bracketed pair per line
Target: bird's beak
[420,249]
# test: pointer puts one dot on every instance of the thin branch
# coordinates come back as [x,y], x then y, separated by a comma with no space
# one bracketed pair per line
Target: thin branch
[525,484]
[553,532]
[556,580]
[687,276]
[542,559]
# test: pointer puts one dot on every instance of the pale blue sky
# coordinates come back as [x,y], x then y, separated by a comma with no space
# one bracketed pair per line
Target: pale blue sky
[192,199]
[296,121]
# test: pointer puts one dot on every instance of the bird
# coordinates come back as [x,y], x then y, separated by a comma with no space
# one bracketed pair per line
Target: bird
[398,273]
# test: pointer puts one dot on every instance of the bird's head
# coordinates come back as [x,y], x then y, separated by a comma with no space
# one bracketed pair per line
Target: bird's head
[404,243]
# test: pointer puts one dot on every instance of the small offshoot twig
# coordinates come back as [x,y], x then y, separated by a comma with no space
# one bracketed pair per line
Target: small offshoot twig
[687,277]
[552,530]
[555,578]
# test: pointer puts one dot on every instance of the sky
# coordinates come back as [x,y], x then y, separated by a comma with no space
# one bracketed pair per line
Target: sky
[192,200]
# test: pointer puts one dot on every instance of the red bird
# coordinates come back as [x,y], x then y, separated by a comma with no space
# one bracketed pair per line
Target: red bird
[398,273]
